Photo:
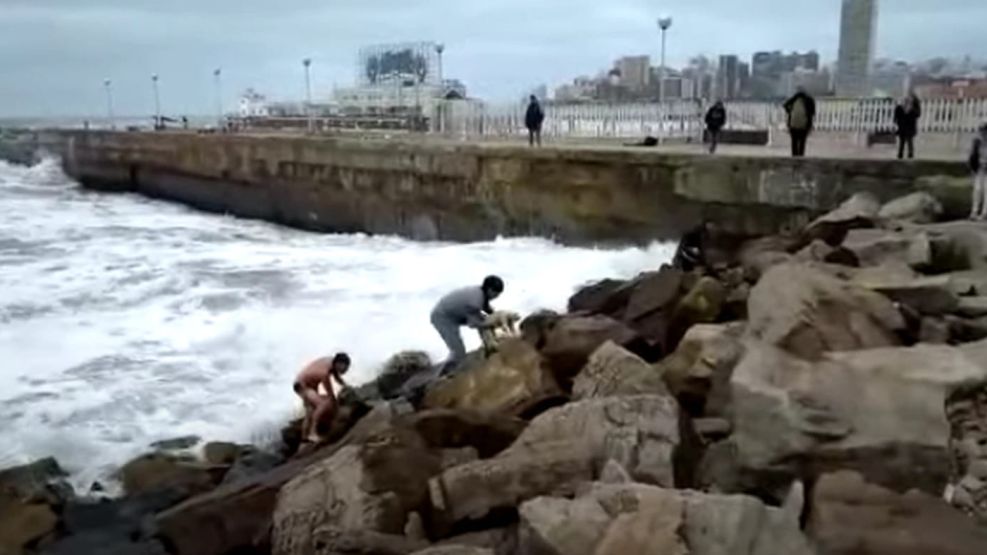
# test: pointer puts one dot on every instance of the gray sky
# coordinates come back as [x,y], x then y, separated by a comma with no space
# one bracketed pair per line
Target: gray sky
[54,54]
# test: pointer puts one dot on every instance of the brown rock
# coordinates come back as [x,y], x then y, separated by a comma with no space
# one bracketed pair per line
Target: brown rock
[455,550]
[698,372]
[488,433]
[220,453]
[368,488]
[614,371]
[966,411]
[338,541]
[758,255]
[809,312]
[22,524]
[878,247]
[701,305]
[653,291]
[819,251]
[927,295]
[570,342]
[512,382]
[534,328]
[608,297]
[155,471]
[850,516]
[238,515]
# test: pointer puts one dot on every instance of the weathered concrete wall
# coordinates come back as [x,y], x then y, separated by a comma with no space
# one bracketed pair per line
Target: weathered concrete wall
[472,192]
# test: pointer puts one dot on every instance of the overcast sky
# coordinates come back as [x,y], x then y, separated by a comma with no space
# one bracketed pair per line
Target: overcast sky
[55,54]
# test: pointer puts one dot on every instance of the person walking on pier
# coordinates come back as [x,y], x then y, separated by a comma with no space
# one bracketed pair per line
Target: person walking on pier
[978,164]
[801,110]
[533,119]
[906,116]
[468,306]
[716,119]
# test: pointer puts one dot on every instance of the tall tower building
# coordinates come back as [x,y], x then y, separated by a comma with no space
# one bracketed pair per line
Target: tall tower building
[858,30]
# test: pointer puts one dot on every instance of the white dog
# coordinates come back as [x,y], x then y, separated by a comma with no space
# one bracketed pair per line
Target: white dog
[499,325]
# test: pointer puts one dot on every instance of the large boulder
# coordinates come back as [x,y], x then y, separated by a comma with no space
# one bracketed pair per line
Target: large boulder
[916,208]
[608,296]
[879,412]
[653,291]
[512,381]
[877,247]
[398,370]
[617,519]
[851,516]
[808,312]
[371,487]
[701,305]
[31,496]
[859,211]
[562,448]
[572,339]
[328,540]
[614,371]
[488,433]
[698,372]
[966,410]
[156,471]
[931,295]
[237,516]
[455,550]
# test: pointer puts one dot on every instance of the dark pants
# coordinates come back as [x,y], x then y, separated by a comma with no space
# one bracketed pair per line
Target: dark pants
[799,138]
[714,140]
[904,141]
[534,136]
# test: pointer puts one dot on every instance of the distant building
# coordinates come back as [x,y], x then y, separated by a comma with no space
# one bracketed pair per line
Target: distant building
[953,89]
[253,104]
[890,78]
[582,89]
[728,77]
[635,72]
[769,69]
[858,29]
[816,83]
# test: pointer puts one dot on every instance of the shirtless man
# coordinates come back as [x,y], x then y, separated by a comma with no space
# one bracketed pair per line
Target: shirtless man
[320,408]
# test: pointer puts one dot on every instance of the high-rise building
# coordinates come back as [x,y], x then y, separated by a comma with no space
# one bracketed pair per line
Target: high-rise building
[635,72]
[728,77]
[858,30]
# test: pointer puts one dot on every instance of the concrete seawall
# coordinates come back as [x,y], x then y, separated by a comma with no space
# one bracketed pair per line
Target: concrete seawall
[460,192]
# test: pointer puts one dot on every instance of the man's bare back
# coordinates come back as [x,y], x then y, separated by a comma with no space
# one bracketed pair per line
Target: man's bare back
[320,408]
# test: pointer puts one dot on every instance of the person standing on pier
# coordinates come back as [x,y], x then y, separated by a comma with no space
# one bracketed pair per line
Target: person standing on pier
[906,116]
[716,119]
[801,110]
[469,307]
[533,119]
[978,164]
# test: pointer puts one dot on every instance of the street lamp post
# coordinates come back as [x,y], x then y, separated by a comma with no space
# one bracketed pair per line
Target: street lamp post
[217,75]
[439,49]
[157,102]
[109,102]
[307,62]
[664,22]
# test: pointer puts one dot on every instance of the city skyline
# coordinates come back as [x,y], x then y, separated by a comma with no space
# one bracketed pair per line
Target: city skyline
[56,54]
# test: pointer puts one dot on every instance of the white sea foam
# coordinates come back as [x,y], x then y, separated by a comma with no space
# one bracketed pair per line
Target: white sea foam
[125,320]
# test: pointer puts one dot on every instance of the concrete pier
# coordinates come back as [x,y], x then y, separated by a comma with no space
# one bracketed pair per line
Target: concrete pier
[463,192]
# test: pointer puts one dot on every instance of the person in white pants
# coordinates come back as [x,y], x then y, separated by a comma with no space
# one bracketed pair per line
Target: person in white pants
[978,164]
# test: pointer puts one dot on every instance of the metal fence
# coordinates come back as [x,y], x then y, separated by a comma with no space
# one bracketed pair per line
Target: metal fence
[683,120]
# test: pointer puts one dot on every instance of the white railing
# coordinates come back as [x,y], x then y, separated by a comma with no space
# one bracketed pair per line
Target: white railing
[682,120]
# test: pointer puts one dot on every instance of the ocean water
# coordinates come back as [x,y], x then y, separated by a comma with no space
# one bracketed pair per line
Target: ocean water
[125,320]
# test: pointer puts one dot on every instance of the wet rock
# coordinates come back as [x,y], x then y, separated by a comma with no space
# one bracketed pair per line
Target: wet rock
[653,291]
[221,452]
[23,524]
[398,370]
[512,382]
[250,463]
[572,339]
[368,488]
[157,471]
[608,296]
[615,519]
[455,550]
[115,527]
[176,444]
[809,312]
[502,541]
[875,411]
[534,329]
[966,411]
[614,371]
[237,516]
[859,211]
[852,516]
[701,305]
[819,251]
[698,372]
[916,208]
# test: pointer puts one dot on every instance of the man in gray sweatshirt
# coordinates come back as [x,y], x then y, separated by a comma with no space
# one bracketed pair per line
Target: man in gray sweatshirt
[468,306]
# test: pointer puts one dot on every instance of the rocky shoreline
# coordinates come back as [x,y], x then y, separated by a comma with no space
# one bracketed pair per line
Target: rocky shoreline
[823,391]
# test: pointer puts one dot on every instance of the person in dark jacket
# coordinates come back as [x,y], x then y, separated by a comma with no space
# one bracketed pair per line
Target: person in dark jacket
[692,250]
[469,306]
[533,119]
[716,118]
[906,116]
[801,110]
